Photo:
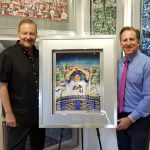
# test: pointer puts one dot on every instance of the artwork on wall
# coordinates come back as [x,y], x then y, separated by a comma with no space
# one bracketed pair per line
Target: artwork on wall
[55,10]
[145,27]
[103,17]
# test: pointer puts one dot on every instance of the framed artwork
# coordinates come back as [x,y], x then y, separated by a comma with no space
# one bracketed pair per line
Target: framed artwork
[52,17]
[76,81]
[55,10]
[145,27]
[74,76]
[103,17]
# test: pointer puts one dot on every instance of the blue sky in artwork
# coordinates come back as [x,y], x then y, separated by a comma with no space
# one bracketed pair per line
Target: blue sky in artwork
[82,58]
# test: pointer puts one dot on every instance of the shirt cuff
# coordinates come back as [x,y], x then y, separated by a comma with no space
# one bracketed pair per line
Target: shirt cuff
[132,120]
[135,116]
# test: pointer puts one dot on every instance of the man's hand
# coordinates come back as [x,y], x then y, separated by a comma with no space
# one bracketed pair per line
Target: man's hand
[124,123]
[74,68]
[10,119]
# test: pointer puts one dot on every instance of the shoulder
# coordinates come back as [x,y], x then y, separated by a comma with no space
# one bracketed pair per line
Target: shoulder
[120,61]
[140,54]
[36,51]
[143,58]
[10,49]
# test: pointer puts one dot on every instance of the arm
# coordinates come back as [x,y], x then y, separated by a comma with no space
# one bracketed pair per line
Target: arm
[70,72]
[10,117]
[87,74]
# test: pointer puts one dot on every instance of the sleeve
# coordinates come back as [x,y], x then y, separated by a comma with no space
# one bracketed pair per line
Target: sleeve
[5,67]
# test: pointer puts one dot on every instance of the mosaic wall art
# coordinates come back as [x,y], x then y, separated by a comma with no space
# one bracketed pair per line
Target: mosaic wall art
[145,27]
[103,17]
[55,10]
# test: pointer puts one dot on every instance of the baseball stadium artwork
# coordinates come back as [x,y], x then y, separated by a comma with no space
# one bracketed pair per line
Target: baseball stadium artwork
[77,80]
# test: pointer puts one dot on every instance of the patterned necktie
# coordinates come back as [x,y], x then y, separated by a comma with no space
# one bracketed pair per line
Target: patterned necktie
[122,86]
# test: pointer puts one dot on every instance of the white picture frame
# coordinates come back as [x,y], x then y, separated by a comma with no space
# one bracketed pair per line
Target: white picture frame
[106,117]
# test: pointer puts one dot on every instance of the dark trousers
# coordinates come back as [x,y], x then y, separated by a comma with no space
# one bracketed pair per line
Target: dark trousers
[17,137]
[136,137]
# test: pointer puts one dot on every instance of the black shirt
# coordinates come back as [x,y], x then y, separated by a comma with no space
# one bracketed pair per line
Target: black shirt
[21,72]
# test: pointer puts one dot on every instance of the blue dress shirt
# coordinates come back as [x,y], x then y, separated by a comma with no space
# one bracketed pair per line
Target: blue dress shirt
[137,90]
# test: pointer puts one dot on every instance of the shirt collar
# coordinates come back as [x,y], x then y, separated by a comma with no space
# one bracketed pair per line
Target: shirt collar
[25,50]
[130,59]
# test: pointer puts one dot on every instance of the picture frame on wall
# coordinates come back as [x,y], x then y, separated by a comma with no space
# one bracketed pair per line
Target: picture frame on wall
[52,17]
[103,17]
[145,27]
[36,9]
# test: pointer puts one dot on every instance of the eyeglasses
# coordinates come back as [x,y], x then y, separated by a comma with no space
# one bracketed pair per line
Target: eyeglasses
[29,33]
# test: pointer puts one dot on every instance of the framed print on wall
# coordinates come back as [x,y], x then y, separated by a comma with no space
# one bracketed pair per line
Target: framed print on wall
[76,89]
[51,16]
[103,17]
[56,10]
[145,27]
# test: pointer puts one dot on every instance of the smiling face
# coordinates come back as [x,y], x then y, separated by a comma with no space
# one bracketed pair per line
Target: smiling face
[27,35]
[129,42]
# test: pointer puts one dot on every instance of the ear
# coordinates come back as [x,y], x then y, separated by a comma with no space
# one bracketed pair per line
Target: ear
[18,34]
[121,45]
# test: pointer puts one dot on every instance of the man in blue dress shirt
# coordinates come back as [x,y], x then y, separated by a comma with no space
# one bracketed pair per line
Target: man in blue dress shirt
[134,120]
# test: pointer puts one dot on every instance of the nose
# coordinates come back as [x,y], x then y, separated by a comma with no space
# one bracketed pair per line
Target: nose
[28,35]
[128,42]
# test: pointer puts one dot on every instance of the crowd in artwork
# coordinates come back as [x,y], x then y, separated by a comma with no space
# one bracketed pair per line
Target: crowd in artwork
[43,9]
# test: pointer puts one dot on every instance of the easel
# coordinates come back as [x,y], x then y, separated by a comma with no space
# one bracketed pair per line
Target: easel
[98,135]
[61,137]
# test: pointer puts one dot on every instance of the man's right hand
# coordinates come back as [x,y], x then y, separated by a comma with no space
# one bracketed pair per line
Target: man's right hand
[10,119]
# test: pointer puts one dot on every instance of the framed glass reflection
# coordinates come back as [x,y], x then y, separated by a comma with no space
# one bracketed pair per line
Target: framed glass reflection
[145,27]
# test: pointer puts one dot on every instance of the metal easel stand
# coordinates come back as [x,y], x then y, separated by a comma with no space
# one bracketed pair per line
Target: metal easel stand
[98,135]
[61,137]
[99,139]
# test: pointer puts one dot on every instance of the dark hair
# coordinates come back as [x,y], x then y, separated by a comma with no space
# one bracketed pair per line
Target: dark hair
[27,21]
[130,28]
[77,73]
